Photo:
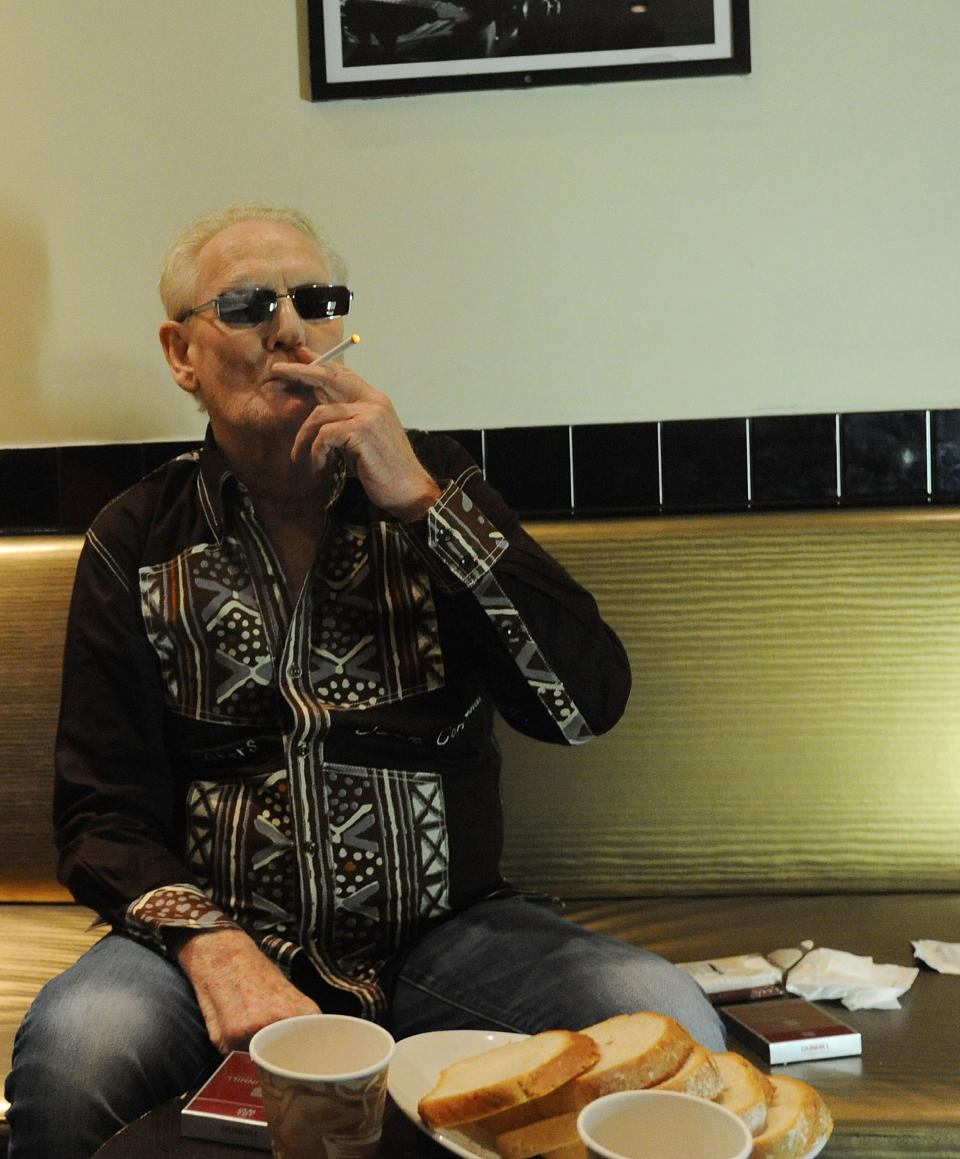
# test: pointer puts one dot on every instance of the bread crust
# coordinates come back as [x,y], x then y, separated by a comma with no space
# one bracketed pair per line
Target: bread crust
[636,1051]
[746,1089]
[698,1076]
[797,1118]
[506,1076]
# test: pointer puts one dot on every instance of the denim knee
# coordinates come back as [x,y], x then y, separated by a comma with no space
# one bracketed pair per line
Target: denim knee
[641,980]
[513,965]
[107,1040]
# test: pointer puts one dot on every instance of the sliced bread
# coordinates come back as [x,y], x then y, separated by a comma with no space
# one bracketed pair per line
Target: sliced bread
[698,1076]
[571,1151]
[635,1050]
[746,1090]
[505,1076]
[538,1138]
[797,1118]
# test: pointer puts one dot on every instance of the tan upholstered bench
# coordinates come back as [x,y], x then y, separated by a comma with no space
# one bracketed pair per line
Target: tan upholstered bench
[41,930]
[789,767]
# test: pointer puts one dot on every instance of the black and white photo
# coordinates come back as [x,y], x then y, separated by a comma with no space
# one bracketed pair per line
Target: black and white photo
[391,47]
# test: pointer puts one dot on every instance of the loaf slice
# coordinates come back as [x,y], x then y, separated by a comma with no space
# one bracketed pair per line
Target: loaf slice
[538,1138]
[797,1118]
[505,1076]
[698,1076]
[746,1090]
[571,1151]
[636,1050]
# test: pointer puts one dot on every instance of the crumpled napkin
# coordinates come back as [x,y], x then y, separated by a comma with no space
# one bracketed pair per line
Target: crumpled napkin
[942,956]
[859,983]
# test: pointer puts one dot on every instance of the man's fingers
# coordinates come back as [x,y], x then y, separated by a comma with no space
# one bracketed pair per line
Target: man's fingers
[321,418]
[316,442]
[340,384]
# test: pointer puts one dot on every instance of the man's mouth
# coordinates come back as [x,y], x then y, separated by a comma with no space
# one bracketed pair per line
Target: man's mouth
[287,385]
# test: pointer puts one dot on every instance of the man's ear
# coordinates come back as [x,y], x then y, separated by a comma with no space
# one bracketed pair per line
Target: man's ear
[176,349]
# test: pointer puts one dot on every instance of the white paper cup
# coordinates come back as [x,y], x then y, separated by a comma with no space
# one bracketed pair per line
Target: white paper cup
[661,1125]
[324,1083]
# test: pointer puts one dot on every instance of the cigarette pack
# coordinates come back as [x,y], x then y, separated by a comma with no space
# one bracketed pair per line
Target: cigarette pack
[791,1030]
[228,1107]
[742,978]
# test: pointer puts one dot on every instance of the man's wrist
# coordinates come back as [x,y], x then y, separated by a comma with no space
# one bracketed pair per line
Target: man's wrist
[418,506]
[186,943]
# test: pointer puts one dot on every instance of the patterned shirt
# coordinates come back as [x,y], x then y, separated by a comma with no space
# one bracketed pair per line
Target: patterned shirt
[321,771]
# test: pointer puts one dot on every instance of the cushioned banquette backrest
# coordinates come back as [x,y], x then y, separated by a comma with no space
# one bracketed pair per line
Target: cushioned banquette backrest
[36,576]
[795,717]
[794,723]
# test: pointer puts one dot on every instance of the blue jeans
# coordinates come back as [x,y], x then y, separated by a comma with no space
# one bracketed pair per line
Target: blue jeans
[120,1031]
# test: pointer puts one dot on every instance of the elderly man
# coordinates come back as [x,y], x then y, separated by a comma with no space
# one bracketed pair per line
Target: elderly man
[276,778]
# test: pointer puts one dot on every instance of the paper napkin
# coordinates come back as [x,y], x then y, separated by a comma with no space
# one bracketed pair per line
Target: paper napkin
[858,982]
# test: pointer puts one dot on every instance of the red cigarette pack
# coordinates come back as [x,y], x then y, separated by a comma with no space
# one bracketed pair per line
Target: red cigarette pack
[228,1107]
[791,1030]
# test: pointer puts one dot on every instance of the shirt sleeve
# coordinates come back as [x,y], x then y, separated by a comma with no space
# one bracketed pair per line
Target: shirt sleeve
[552,666]
[462,538]
[117,806]
[173,907]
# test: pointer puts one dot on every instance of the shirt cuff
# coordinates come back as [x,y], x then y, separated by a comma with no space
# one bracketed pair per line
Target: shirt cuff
[462,537]
[169,907]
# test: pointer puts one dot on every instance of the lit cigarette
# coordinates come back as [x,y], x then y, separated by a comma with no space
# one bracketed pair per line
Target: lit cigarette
[332,353]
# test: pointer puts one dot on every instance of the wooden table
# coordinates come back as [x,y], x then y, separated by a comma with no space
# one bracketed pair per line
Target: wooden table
[901,1098]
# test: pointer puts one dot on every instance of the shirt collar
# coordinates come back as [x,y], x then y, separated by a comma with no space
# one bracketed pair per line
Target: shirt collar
[221,490]
[218,485]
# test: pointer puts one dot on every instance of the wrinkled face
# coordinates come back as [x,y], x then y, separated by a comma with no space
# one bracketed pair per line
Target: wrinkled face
[228,367]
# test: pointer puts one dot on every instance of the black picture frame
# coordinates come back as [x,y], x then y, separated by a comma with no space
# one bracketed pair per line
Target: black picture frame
[384,48]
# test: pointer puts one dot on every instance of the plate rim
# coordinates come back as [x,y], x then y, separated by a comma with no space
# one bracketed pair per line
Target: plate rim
[450,1138]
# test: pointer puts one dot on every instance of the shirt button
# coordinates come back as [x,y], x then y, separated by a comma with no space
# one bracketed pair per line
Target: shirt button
[310,847]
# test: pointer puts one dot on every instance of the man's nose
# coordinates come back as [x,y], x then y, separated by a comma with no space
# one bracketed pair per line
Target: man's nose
[286,325]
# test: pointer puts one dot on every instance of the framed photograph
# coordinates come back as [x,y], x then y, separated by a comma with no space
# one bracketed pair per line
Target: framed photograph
[381,48]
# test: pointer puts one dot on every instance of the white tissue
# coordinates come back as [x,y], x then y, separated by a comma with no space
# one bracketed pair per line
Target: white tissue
[942,956]
[859,983]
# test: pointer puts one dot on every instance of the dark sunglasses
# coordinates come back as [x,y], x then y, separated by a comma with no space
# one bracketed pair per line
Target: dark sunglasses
[254,305]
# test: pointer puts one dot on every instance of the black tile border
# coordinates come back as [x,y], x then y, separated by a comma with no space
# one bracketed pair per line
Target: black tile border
[531,467]
[767,463]
[615,466]
[703,465]
[884,456]
[793,461]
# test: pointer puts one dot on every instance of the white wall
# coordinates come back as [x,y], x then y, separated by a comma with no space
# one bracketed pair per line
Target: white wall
[783,241]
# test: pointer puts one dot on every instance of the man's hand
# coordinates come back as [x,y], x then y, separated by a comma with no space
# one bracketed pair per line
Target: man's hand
[354,418]
[238,988]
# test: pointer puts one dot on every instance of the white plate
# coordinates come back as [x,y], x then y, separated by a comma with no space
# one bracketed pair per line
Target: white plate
[416,1066]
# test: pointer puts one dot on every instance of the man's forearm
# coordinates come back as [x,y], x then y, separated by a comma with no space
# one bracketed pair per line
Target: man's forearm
[238,988]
